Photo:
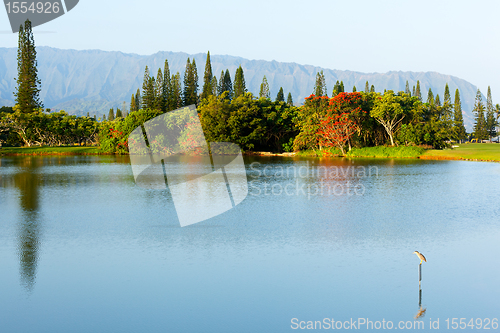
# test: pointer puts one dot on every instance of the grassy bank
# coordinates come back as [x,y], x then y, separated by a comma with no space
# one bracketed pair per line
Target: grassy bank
[380,151]
[386,152]
[49,150]
[467,151]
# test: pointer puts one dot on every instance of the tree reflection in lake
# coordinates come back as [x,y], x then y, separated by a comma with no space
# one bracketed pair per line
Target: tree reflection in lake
[27,181]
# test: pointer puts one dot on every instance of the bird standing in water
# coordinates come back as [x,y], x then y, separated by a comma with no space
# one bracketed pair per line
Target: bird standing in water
[420,256]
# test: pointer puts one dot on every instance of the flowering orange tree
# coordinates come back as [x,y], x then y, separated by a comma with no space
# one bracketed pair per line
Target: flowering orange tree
[341,121]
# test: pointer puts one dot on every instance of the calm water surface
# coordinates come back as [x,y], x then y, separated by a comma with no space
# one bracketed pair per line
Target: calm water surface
[83,249]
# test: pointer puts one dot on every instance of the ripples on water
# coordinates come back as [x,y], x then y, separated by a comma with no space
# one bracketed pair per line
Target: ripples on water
[82,248]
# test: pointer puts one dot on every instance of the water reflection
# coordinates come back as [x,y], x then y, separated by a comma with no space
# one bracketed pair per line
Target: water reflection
[27,181]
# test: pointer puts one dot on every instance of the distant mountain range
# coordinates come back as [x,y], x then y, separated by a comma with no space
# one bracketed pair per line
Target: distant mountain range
[94,81]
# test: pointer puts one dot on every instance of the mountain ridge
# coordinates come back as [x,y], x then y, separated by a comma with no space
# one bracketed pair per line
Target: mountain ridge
[81,81]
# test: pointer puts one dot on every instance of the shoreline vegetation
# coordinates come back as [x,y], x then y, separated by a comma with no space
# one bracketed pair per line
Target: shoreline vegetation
[368,123]
[487,152]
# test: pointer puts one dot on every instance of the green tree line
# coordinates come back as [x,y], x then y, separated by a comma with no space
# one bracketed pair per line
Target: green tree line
[228,112]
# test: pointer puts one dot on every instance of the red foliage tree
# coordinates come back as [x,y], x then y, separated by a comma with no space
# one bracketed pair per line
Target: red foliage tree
[342,120]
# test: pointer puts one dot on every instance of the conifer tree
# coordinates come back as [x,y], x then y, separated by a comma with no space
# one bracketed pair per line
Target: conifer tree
[138,104]
[190,95]
[336,89]
[227,85]
[413,91]
[367,87]
[458,125]
[119,113]
[132,104]
[354,89]
[239,83]
[430,97]
[176,91]
[447,97]
[280,97]
[123,110]
[220,88]
[342,89]
[372,88]
[159,102]
[28,84]
[407,88]
[148,91]
[111,115]
[167,99]
[437,101]
[320,85]
[264,89]
[417,92]
[446,113]
[213,85]
[480,123]
[103,117]
[145,85]
[207,79]
[491,122]
[289,99]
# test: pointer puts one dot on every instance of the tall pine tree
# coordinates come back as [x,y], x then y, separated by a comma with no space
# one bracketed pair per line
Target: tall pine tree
[367,87]
[407,89]
[336,89]
[491,122]
[220,87]
[166,92]
[176,91]
[289,99]
[28,84]
[447,114]
[111,115]
[280,97]
[159,102]
[132,104]
[190,94]
[227,85]
[138,103]
[207,79]
[148,91]
[430,97]
[480,122]
[214,86]
[437,101]
[418,94]
[458,122]
[264,89]
[320,85]
[239,83]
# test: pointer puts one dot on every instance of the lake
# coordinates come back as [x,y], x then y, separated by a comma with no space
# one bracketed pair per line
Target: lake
[315,242]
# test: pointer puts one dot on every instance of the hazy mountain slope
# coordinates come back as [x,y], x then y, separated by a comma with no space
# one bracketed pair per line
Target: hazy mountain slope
[94,81]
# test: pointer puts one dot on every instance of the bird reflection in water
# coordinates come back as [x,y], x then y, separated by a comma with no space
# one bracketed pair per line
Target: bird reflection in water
[27,181]
[421,311]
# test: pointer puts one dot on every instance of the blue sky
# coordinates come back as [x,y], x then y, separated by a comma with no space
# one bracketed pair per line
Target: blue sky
[459,38]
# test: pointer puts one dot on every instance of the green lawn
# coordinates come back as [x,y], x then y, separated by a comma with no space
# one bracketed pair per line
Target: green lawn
[72,150]
[468,151]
